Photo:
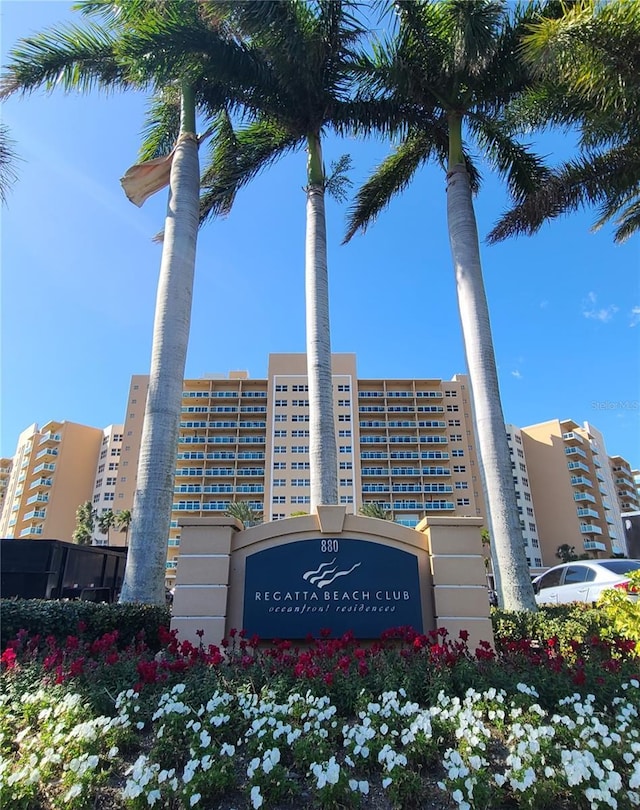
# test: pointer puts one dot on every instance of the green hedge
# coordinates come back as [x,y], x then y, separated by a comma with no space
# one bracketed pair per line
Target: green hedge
[572,622]
[61,619]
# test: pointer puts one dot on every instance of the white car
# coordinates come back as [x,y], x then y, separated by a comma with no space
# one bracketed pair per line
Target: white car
[582,580]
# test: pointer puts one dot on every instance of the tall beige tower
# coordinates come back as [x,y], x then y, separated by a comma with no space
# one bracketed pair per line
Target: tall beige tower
[572,489]
[407,445]
[52,474]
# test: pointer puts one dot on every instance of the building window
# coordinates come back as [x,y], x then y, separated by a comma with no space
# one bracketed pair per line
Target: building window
[279,482]
[453,408]
[461,485]
[300,482]
[346,482]
[459,468]
[108,496]
[101,468]
[345,448]
[279,448]
[300,417]
[299,465]
[344,388]
[300,448]
[278,499]
[451,393]
[111,482]
[280,417]
[454,423]
[280,434]
[456,437]
[344,417]
[344,403]
[299,434]
[279,465]
[300,403]
[301,388]
[282,387]
[344,434]
[457,453]
[281,403]
[346,465]
[462,502]
[300,499]
[346,499]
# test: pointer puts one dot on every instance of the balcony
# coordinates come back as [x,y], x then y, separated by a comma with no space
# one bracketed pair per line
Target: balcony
[434,506]
[44,467]
[627,494]
[578,465]
[590,528]
[572,437]
[41,482]
[31,530]
[48,451]
[36,513]
[584,496]
[594,545]
[575,451]
[50,437]
[581,481]
[586,512]
[42,497]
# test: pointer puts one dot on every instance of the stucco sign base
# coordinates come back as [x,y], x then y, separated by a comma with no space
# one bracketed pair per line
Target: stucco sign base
[329,572]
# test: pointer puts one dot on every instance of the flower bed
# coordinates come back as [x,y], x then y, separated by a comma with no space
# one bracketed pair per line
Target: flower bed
[411,720]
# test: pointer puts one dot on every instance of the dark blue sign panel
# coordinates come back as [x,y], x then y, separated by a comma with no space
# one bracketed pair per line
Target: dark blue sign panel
[335,584]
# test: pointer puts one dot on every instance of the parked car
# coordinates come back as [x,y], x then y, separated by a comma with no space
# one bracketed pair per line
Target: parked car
[582,580]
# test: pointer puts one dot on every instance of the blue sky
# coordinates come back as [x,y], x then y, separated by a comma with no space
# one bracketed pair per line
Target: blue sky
[79,273]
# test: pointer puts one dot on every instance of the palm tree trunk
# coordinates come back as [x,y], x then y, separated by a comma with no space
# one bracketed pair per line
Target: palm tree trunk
[323,464]
[151,513]
[513,581]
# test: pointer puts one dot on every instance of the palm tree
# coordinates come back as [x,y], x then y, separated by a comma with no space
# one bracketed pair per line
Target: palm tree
[244,513]
[85,522]
[588,63]
[123,522]
[304,54]
[453,65]
[106,521]
[117,55]
[375,510]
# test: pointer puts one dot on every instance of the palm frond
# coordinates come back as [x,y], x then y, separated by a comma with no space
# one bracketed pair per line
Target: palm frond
[71,58]
[8,159]
[236,158]
[522,169]
[390,178]
[610,179]
[162,124]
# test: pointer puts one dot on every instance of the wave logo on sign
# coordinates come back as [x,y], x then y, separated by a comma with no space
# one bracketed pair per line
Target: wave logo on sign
[327,573]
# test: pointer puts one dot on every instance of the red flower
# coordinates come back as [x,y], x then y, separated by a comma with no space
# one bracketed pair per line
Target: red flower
[8,658]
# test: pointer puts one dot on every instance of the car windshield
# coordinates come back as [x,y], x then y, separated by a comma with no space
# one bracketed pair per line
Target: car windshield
[621,566]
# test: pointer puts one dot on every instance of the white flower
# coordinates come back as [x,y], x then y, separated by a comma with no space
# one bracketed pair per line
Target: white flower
[256,797]
[152,797]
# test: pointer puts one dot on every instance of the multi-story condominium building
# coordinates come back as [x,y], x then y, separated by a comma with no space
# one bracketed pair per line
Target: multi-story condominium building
[105,480]
[52,474]
[407,445]
[5,473]
[572,489]
[524,497]
[625,486]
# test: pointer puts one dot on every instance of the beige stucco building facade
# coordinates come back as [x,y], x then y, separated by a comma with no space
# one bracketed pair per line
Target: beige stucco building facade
[405,444]
[51,475]
[572,489]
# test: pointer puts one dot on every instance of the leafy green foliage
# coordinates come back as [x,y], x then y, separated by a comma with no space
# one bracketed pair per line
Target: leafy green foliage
[622,609]
[85,522]
[61,619]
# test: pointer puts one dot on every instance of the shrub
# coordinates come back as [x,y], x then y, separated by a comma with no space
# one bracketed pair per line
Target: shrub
[64,618]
